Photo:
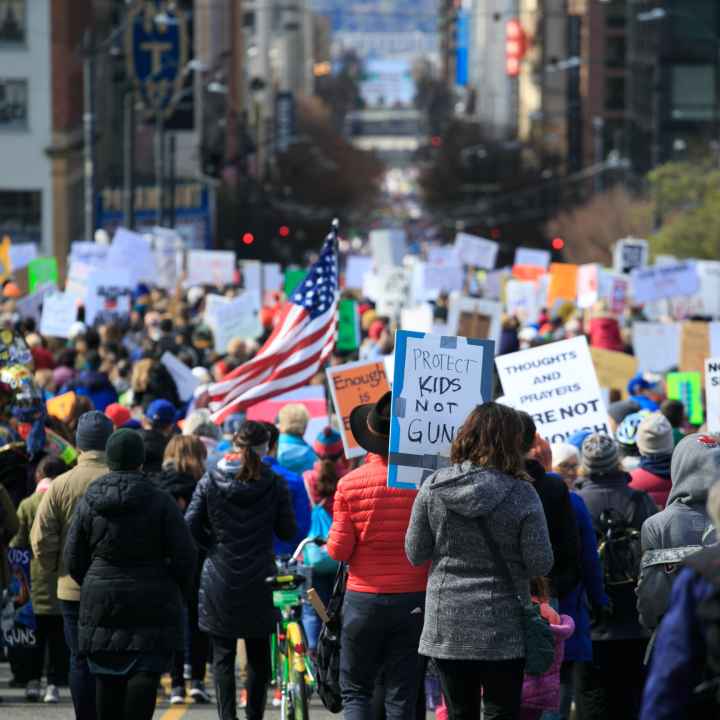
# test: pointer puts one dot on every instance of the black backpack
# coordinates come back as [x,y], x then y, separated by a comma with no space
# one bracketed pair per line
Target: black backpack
[327,662]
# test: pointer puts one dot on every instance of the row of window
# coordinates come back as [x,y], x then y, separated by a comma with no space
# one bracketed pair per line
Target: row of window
[13,22]
[13,92]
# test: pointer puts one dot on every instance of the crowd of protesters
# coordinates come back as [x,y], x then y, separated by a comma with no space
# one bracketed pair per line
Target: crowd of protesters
[152,531]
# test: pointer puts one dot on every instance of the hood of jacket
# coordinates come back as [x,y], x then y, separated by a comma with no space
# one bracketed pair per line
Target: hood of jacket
[469,490]
[694,469]
[119,493]
[223,478]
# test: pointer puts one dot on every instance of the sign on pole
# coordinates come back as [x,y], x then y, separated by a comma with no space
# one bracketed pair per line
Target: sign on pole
[687,387]
[629,254]
[438,381]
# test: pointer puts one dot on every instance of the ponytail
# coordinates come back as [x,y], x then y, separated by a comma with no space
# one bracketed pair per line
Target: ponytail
[251,466]
[327,479]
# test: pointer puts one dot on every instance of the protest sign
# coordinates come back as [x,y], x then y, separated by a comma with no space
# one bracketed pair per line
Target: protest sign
[438,381]
[476,251]
[185,381]
[5,259]
[557,385]
[293,277]
[252,273]
[272,277]
[563,283]
[530,273]
[418,319]
[356,268]
[348,338]
[532,257]
[665,281]
[656,346]
[614,369]
[522,299]
[434,280]
[474,317]
[392,287]
[442,256]
[89,253]
[18,618]
[694,346]
[42,271]
[168,249]
[588,285]
[21,253]
[687,387]
[712,393]
[388,247]
[58,314]
[615,288]
[133,252]
[353,384]
[77,279]
[109,294]
[714,339]
[231,318]
[30,306]
[494,286]
[61,406]
[210,267]
[629,254]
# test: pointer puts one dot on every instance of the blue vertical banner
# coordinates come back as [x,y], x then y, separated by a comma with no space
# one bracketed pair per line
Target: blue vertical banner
[462,45]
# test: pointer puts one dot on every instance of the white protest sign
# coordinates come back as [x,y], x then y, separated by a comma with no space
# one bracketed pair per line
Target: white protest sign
[523,298]
[58,314]
[532,257]
[389,289]
[665,281]
[388,247]
[30,306]
[656,346]
[210,267]
[21,254]
[438,381]
[442,255]
[418,319]
[557,385]
[272,277]
[588,285]
[89,253]
[357,267]
[168,249]
[132,252]
[252,272]
[185,381]
[475,317]
[476,251]
[714,334]
[231,318]
[712,394]
[77,279]
[629,254]
[494,282]
[109,294]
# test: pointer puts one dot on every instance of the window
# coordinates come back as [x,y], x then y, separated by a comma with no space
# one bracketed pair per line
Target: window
[615,93]
[13,104]
[693,92]
[21,215]
[12,22]
[615,14]
[615,51]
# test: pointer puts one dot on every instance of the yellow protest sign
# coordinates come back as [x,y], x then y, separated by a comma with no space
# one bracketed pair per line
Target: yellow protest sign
[61,406]
[613,369]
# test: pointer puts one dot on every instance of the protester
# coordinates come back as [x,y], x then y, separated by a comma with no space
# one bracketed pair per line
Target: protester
[293,453]
[385,598]
[233,514]
[674,411]
[8,528]
[49,536]
[565,462]
[92,383]
[626,437]
[473,623]
[644,389]
[130,551]
[43,592]
[604,329]
[655,444]
[118,414]
[619,410]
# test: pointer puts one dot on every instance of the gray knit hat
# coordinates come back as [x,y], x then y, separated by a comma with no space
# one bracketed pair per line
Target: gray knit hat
[599,454]
[93,431]
[655,435]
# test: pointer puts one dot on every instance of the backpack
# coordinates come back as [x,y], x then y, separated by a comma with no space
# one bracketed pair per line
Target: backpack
[314,556]
[327,660]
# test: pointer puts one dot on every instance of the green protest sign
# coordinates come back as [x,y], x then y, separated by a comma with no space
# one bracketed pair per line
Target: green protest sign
[292,279]
[687,387]
[348,338]
[42,271]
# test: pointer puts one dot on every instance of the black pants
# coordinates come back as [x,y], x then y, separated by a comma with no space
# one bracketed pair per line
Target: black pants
[380,632]
[501,683]
[611,685]
[126,697]
[224,651]
[50,635]
[378,701]
[82,683]
[199,650]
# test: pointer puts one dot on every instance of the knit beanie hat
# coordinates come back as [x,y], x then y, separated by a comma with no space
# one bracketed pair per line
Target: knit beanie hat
[655,435]
[93,431]
[599,454]
[619,410]
[125,450]
[293,419]
[118,414]
[328,444]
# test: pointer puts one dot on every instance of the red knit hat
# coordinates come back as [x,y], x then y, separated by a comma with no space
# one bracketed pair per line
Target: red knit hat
[328,445]
[376,329]
[118,414]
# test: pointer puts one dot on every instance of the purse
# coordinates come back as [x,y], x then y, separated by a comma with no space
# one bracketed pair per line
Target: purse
[539,640]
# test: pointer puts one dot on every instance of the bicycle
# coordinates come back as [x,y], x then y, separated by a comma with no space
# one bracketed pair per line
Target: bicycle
[292,666]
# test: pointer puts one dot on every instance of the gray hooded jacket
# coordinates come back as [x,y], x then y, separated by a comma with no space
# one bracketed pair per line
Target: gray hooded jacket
[472,612]
[681,528]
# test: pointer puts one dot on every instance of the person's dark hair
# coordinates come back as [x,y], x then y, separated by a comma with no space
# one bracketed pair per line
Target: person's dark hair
[250,436]
[540,588]
[674,411]
[92,338]
[327,479]
[166,325]
[491,438]
[274,434]
[66,358]
[49,467]
[93,360]
[529,430]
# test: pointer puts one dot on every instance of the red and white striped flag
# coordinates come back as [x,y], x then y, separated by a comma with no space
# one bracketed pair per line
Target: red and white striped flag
[303,339]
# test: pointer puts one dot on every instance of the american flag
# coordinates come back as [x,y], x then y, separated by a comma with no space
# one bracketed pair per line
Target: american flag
[303,339]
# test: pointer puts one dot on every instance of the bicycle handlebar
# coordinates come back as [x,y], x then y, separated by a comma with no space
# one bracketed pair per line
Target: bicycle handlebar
[307,541]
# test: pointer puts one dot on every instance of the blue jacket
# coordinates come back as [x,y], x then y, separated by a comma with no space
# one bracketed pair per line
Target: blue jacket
[678,659]
[300,503]
[295,454]
[578,647]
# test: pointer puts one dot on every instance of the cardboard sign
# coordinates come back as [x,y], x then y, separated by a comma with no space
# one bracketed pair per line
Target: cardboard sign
[557,385]
[18,618]
[614,370]
[476,251]
[665,281]
[656,346]
[58,314]
[532,257]
[438,381]
[42,272]
[712,394]
[210,267]
[348,337]
[629,254]
[388,247]
[109,295]
[694,346]
[687,387]
[61,406]
[356,268]
[133,252]
[353,384]
[563,283]
[185,381]
[21,254]
[475,317]
[231,318]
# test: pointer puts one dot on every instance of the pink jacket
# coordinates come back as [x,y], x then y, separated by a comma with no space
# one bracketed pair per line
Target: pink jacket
[542,692]
[656,487]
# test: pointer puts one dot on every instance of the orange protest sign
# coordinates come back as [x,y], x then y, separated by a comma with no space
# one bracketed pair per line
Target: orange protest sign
[353,384]
[528,272]
[61,406]
[563,283]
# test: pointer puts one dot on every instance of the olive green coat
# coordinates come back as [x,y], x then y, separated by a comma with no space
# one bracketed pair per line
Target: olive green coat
[8,528]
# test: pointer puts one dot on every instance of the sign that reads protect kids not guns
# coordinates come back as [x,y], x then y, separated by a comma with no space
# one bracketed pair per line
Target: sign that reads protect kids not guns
[438,381]
[557,385]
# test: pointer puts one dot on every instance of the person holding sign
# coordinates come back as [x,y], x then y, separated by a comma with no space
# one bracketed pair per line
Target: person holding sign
[474,617]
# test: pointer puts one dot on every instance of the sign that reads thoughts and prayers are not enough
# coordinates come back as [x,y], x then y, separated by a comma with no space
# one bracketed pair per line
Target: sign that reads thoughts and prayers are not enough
[438,381]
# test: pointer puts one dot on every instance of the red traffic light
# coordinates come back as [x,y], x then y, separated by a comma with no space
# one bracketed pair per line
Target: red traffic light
[495,233]
[557,243]
[436,141]
[248,238]
[284,231]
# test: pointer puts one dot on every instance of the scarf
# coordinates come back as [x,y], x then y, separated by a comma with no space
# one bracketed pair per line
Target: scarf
[657,465]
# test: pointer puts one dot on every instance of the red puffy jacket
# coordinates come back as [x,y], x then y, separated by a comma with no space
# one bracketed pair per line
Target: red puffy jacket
[368,532]
[658,488]
[605,334]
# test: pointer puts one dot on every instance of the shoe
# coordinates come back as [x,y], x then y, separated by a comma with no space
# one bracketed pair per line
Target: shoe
[177,696]
[52,695]
[243,698]
[198,692]
[187,672]
[32,691]
[277,698]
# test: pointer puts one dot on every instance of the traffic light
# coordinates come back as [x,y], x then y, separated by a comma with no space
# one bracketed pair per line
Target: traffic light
[284,231]
[436,141]
[248,238]
[495,233]
[515,47]
[557,243]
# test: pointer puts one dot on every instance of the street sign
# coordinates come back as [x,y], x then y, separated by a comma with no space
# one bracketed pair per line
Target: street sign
[158,47]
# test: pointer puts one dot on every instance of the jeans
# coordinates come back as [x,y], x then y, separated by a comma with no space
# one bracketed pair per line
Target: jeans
[224,651]
[126,697]
[380,632]
[323,585]
[50,636]
[198,650]
[501,683]
[82,683]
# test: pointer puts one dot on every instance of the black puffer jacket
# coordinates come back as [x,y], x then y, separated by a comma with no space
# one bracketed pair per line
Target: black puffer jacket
[235,522]
[130,550]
